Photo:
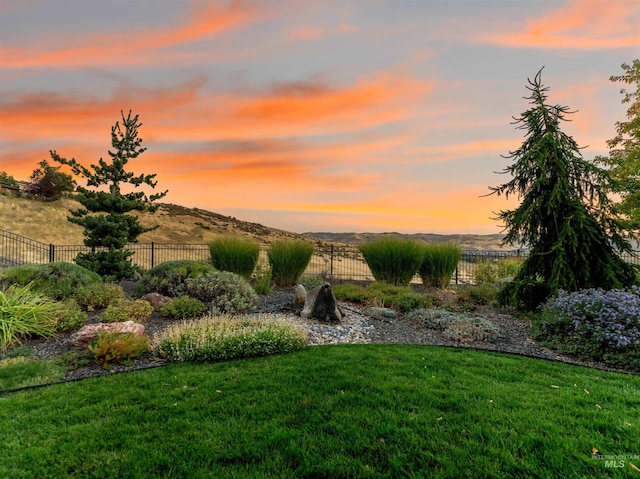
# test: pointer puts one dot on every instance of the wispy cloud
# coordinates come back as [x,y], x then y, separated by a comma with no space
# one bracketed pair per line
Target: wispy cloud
[578,25]
[148,46]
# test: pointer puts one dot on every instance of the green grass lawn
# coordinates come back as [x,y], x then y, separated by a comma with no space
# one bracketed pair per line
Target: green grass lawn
[330,411]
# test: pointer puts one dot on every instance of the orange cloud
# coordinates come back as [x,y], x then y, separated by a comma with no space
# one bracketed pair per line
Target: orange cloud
[579,24]
[127,48]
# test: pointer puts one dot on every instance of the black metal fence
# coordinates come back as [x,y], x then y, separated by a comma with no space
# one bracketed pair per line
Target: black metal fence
[339,263]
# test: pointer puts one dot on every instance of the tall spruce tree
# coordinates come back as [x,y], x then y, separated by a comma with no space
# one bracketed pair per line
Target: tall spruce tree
[624,150]
[565,216]
[107,226]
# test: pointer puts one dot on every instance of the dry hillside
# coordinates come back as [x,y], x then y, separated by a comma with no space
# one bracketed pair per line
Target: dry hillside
[47,222]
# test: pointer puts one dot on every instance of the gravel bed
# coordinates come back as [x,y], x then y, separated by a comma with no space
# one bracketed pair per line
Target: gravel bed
[357,327]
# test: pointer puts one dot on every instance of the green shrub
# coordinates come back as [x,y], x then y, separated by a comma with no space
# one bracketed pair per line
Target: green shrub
[24,312]
[350,292]
[310,281]
[493,271]
[166,277]
[20,372]
[118,348]
[262,283]
[288,260]
[183,307]
[127,310]
[484,294]
[402,298]
[71,317]
[57,280]
[98,295]
[235,255]
[219,338]
[393,260]
[439,262]
[221,291]
[386,295]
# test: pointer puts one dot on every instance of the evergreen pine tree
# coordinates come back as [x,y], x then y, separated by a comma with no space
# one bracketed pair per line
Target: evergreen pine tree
[565,216]
[107,226]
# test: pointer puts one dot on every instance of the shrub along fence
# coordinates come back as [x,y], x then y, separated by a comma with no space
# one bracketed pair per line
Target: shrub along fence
[333,262]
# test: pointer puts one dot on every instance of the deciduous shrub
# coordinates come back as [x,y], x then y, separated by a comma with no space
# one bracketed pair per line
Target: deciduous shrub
[218,338]
[118,348]
[166,277]
[393,260]
[127,310]
[183,307]
[221,291]
[98,295]
[235,255]
[493,271]
[57,280]
[288,260]
[24,312]
[594,324]
[439,262]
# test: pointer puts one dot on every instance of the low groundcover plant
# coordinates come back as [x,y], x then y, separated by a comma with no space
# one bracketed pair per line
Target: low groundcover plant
[223,337]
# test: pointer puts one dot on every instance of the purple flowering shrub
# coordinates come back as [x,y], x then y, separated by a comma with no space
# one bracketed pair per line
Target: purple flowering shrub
[594,324]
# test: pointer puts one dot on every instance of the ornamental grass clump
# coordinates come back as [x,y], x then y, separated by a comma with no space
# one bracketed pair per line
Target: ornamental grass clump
[393,260]
[235,255]
[24,313]
[224,337]
[221,292]
[288,260]
[439,262]
[594,324]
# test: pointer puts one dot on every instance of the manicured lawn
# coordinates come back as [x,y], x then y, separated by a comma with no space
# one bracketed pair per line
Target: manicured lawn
[330,411]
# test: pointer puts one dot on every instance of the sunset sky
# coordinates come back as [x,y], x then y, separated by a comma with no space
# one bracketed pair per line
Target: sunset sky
[342,115]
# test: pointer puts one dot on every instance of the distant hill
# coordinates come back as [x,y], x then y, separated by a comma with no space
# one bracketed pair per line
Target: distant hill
[465,241]
[47,222]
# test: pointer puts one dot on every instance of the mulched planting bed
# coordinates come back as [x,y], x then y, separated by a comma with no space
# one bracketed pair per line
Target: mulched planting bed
[358,326]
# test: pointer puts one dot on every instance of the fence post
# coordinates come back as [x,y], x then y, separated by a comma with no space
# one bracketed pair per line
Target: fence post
[52,253]
[456,275]
[152,254]
[331,267]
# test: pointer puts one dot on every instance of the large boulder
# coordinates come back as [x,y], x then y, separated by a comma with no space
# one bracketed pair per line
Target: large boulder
[320,303]
[88,333]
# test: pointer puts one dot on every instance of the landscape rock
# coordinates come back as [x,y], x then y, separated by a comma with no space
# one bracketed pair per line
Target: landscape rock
[320,303]
[88,333]
[156,300]
[300,294]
